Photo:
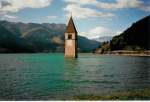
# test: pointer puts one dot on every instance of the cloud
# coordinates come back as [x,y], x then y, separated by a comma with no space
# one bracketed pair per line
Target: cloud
[99,31]
[8,17]
[16,5]
[81,2]
[146,8]
[117,4]
[120,4]
[4,4]
[96,32]
[83,12]
[118,32]
[7,7]
[51,17]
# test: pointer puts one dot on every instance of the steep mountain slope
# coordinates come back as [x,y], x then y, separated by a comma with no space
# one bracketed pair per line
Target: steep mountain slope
[137,37]
[9,42]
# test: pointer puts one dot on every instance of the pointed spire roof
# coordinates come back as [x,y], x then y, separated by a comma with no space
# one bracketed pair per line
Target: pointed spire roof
[71,26]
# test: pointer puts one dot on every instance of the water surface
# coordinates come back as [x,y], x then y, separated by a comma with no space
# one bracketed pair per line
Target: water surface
[51,76]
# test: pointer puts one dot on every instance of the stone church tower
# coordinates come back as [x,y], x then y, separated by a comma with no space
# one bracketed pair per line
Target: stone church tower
[71,40]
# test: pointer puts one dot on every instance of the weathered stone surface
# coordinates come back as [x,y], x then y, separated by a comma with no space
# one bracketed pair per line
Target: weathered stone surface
[71,40]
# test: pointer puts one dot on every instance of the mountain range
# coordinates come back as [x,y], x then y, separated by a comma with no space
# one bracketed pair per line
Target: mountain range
[18,37]
[136,37]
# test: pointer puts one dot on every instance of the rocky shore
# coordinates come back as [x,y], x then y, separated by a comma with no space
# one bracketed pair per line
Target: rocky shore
[129,95]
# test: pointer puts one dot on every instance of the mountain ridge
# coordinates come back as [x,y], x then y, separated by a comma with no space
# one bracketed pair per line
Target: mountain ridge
[45,37]
[134,39]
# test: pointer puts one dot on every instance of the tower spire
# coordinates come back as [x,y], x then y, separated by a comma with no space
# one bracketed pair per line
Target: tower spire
[71,40]
[71,26]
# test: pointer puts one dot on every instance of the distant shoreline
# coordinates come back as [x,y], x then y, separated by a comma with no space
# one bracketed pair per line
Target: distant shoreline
[125,53]
[116,53]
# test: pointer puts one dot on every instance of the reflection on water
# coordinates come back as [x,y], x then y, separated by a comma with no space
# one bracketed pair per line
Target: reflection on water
[51,76]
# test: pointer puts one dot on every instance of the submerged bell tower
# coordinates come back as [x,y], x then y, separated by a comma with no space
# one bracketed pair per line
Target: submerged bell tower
[71,40]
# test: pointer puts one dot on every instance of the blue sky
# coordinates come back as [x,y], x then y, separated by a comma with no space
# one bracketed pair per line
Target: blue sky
[93,18]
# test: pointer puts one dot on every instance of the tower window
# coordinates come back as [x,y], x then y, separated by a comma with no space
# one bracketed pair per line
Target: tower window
[69,36]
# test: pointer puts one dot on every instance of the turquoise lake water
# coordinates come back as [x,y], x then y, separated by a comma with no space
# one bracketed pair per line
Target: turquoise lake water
[51,76]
